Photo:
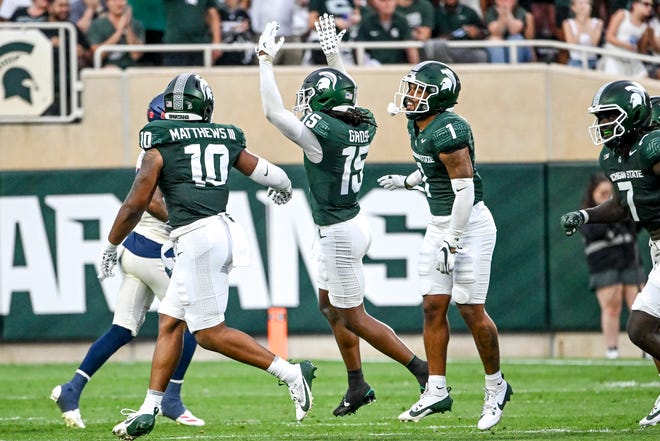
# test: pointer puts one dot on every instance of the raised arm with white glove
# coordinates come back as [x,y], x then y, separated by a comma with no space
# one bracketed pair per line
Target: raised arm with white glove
[267,47]
[271,100]
[330,40]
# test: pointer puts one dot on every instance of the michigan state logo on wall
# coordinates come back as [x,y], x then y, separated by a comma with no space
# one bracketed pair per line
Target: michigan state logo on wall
[26,73]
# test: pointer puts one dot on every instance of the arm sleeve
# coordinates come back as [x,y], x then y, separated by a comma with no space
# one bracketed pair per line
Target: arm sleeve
[270,175]
[413,180]
[285,121]
[462,208]
[335,62]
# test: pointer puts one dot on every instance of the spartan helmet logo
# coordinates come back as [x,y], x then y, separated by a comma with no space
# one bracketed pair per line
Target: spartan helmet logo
[328,80]
[205,88]
[449,82]
[637,96]
[17,82]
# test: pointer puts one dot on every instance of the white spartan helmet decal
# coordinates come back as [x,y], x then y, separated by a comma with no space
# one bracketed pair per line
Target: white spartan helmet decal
[206,89]
[328,80]
[637,96]
[449,82]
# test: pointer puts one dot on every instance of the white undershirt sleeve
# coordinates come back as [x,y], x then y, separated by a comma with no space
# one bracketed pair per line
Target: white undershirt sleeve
[270,175]
[285,121]
[461,209]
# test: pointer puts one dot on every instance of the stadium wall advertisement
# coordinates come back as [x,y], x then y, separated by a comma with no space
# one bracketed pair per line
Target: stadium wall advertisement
[53,225]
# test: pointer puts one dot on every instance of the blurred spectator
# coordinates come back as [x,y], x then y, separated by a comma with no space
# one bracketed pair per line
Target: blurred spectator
[562,12]
[506,20]
[37,11]
[475,5]
[347,16]
[385,24]
[293,17]
[235,29]
[151,14]
[653,34]
[58,11]
[545,24]
[419,14]
[7,7]
[117,26]
[190,22]
[584,30]
[623,35]
[83,12]
[615,273]
[456,21]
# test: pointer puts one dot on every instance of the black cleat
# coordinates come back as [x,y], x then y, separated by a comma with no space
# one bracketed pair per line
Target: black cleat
[354,399]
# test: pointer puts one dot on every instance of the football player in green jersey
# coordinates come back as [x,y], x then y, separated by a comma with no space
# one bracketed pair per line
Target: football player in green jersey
[630,158]
[188,158]
[335,135]
[458,246]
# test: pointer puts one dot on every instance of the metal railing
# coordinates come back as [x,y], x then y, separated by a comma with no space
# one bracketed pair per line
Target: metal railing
[361,48]
[69,84]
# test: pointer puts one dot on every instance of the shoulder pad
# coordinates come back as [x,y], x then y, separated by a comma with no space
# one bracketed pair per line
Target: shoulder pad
[318,123]
[452,133]
[649,149]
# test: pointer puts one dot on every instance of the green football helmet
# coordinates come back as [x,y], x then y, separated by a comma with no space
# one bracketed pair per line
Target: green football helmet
[629,102]
[325,89]
[655,113]
[189,97]
[432,85]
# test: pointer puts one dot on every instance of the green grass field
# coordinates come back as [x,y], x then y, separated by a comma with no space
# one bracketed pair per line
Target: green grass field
[553,400]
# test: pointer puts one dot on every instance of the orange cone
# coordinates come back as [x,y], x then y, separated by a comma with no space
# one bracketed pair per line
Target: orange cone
[277,331]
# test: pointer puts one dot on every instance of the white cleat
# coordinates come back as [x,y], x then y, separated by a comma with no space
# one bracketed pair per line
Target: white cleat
[301,389]
[135,425]
[188,419]
[653,417]
[428,404]
[72,418]
[494,403]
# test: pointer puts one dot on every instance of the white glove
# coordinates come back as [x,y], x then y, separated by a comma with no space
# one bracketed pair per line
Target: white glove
[446,257]
[280,197]
[392,182]
[267,46]
[328,37]
[108,261]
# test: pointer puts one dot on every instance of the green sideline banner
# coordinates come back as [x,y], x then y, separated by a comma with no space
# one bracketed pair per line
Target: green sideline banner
[53,225]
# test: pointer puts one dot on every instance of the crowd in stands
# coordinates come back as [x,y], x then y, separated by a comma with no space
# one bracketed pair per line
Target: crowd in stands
[626,26]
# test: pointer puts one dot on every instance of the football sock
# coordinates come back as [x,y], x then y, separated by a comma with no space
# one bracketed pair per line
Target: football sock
[420,369]
[70,393]
[103,348]
[172,406]
[79,380]
[151,401]
[438,385]
[494,380]
[355,379]
[283,370]
[189,346]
